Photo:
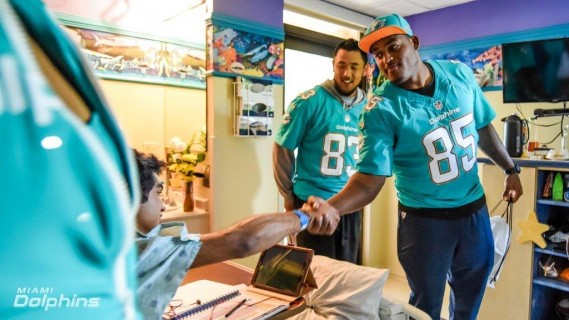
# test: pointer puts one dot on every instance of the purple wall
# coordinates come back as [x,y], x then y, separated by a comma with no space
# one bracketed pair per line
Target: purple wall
[267,12]
[482,18]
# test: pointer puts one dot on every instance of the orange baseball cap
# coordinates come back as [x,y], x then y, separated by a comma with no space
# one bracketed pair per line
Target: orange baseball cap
[382,27]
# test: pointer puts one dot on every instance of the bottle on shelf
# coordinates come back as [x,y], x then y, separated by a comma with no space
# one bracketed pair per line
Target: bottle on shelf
[558,187]
[565,142]
[548,186]
[533,136]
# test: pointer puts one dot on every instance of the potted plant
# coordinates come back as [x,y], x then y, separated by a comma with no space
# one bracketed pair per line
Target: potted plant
[182,161]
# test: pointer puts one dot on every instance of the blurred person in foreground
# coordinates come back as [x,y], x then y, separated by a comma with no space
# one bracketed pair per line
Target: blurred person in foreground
[69,192]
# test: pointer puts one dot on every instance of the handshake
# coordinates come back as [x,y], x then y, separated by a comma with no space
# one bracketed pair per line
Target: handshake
[324,218]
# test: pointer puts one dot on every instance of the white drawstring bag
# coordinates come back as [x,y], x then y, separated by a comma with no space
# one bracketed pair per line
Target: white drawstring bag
[502,232]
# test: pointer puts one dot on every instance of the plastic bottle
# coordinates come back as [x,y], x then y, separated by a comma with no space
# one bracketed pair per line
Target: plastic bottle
[565,142]
[558,187]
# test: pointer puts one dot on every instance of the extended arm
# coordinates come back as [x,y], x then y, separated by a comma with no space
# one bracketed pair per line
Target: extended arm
[283,168]
[360,190]
[247,237]
[490,143]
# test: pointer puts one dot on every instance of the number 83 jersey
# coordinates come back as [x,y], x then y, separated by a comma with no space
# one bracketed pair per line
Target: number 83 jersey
[325,133]
[428,143]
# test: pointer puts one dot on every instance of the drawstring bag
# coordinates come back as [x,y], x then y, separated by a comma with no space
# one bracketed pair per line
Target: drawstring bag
[502,232]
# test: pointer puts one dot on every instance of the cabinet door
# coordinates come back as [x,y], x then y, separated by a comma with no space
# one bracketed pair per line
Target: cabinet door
[510,299]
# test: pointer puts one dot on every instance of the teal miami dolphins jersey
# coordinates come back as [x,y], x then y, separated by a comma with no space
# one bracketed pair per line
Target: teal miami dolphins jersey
[326,136]
[70,189]
[428,143]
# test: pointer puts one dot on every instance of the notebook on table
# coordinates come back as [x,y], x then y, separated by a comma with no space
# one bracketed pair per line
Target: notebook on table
[282,275]
[193,300]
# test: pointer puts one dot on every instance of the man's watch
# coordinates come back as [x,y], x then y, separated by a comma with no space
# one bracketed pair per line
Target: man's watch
[304,219]
[515,169]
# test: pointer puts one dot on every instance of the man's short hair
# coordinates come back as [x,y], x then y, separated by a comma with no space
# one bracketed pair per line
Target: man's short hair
[147,165]
[350,45]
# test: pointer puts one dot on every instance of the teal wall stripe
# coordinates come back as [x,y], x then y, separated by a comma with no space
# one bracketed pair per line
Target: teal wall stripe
[558,31]
[235,75]
[248,26]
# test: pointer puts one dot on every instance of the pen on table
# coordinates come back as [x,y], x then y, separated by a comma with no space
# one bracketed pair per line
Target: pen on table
[235,308]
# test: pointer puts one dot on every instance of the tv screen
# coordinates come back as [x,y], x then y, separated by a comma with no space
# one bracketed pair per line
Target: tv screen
[536,71]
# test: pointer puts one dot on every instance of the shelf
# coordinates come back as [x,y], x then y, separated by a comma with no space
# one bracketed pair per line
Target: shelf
[549,250]
[553,203]
[541,164]
[546,291]
[552,283]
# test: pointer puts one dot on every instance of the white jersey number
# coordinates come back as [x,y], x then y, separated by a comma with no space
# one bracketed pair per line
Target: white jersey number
[443,157]
[332,163]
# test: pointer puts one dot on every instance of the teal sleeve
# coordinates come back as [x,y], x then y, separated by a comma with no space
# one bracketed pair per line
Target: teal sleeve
[295,122]
[376,141]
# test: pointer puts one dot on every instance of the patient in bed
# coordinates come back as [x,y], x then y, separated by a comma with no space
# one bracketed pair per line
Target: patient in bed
[166,251]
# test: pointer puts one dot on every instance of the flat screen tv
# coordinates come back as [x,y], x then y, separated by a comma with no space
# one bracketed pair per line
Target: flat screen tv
[536,71]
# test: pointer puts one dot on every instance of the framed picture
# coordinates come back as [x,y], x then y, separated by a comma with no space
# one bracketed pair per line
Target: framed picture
[254,54]
[114,55]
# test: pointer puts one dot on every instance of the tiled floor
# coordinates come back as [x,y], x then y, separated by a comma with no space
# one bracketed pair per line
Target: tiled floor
[398,288]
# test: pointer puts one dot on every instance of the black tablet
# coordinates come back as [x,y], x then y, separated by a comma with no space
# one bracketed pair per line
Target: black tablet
[283,269]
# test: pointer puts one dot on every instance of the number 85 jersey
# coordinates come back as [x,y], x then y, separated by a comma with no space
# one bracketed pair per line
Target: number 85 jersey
[325,133]
[428,143]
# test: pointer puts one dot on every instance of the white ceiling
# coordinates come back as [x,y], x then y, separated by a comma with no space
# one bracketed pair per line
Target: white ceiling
[405,8]
[357,14]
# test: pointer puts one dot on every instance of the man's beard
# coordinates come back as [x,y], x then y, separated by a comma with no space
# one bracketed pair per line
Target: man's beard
[340,91]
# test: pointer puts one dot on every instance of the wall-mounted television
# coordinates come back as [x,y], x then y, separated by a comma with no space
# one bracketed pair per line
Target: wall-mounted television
[536,71]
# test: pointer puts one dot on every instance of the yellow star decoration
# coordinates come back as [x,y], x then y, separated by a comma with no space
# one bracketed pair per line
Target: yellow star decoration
[532,230]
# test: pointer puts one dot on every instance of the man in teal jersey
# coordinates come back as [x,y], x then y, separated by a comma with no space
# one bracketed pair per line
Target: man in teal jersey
[167,251]
[69,191]
[322,125]
[423,126]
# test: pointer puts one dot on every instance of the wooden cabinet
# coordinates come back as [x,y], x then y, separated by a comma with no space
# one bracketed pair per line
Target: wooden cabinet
[522,291]
[547,291]
[510,299]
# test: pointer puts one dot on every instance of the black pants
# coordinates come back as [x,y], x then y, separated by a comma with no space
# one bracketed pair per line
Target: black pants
[344,244]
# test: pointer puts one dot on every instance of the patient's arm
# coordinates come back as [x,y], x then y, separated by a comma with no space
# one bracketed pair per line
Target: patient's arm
[247,237]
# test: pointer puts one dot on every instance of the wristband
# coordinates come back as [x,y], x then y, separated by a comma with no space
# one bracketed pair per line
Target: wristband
[515,169]
[304,219]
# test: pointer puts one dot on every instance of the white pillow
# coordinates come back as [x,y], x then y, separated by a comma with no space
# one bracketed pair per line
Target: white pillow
[345,291]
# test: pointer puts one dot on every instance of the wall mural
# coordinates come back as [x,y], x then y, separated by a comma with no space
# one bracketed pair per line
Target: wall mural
[486,63]
[374,76]
[244,53]
[122,57]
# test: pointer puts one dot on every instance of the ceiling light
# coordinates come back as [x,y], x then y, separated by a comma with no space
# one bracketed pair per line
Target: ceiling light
[318,25]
